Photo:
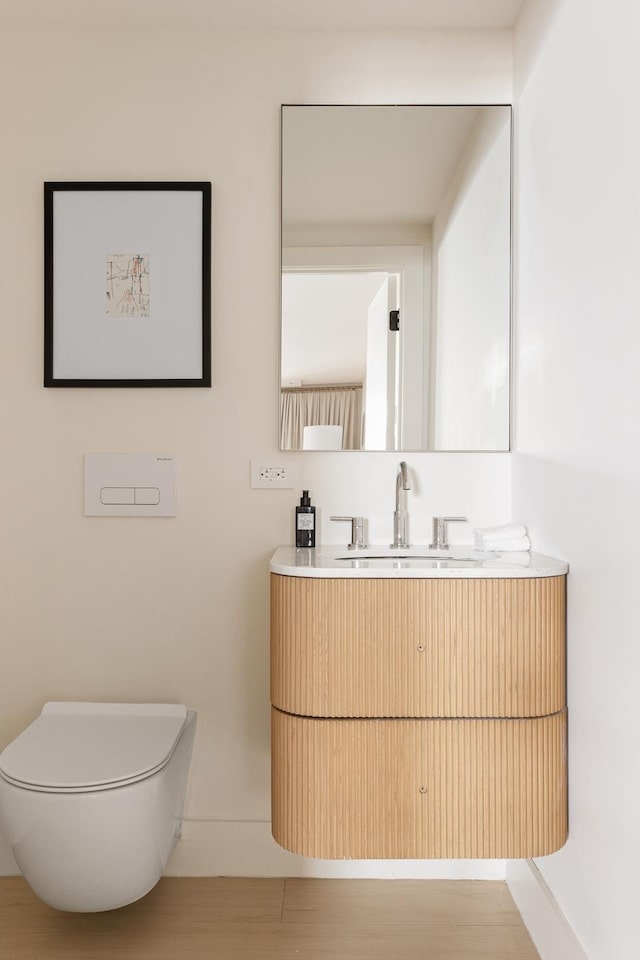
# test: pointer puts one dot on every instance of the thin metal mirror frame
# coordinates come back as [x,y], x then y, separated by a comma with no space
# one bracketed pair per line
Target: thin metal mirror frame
[510,337]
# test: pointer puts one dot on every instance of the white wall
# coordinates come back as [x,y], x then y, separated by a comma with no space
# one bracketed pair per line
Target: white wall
[471,294]
[178,609]
[577,460]
[324,325]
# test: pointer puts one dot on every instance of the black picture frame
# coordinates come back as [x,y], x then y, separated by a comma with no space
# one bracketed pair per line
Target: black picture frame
[137,336]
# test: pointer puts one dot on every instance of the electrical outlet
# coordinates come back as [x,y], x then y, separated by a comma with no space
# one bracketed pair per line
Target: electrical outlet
[268,476]
[271,474]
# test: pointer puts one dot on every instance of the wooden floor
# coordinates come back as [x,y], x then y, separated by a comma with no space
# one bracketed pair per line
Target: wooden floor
[245,919]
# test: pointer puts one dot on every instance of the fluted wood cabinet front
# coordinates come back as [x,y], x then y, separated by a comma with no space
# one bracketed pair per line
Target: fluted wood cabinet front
[419,788]
[418,718]
[418,648]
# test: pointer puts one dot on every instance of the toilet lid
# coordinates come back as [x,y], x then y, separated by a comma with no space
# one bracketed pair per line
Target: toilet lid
[75,746]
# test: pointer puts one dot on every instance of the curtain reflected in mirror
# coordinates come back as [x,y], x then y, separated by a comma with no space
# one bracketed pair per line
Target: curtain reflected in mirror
[321,417]
[396,232]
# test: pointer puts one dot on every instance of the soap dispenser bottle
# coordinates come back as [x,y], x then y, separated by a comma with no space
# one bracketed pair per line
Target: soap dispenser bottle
[305,522]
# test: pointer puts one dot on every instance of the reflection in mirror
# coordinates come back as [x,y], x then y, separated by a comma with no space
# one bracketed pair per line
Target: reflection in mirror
[396,233]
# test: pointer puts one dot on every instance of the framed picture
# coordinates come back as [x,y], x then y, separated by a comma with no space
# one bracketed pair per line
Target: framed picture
[127,284]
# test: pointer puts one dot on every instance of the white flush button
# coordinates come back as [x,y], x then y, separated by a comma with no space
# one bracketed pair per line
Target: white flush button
[148,496]
[119,495]
[129,485]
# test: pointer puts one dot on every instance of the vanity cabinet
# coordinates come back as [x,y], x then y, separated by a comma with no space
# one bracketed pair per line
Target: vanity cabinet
[418,718]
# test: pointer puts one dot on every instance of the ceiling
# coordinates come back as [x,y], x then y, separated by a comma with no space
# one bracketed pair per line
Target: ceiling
[368,164]
[275,14]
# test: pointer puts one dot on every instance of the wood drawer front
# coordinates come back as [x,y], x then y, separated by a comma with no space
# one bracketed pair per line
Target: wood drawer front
[418,648]
[419,788]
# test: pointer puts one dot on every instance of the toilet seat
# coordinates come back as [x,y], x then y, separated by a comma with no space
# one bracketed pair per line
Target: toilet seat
[86,747]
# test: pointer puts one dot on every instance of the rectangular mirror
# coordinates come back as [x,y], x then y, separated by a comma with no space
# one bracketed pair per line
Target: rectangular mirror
[396,278]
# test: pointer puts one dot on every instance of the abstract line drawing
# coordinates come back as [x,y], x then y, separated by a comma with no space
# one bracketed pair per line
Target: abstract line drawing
[127,286]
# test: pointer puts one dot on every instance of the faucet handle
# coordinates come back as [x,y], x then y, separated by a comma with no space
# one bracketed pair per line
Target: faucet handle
[439,531]
[357,531]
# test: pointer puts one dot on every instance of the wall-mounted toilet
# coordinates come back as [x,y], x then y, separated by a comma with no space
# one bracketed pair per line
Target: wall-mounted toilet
[91,799]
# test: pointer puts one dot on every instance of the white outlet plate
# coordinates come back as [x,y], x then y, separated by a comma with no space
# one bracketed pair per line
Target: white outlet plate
[274,474]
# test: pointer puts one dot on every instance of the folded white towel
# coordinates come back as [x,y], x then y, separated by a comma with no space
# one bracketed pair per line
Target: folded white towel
[502,546]
[507,531]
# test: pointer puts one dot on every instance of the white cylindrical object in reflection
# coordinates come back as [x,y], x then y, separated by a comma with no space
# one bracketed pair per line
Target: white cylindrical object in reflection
[322,437]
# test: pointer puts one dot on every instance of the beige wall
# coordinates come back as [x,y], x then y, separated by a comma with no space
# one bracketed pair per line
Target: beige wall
[178,609]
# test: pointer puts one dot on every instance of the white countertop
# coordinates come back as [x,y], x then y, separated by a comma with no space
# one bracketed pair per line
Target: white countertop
[414,562]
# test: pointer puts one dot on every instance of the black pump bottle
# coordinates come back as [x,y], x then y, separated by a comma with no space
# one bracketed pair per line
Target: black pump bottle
[305,522]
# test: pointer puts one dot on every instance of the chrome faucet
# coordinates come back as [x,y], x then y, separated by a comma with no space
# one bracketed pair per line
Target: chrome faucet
[439,531]
[400,515]
[358,531]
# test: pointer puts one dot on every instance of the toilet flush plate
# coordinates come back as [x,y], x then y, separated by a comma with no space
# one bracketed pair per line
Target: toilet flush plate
[129,485]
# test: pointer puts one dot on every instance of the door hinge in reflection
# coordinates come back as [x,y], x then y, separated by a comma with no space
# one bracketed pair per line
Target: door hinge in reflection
[394,320]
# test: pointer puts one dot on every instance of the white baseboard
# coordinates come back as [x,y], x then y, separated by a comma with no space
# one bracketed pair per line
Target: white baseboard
[214,848]
[547,925]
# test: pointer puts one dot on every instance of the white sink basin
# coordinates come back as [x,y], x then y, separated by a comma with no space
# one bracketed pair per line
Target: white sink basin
[416,555]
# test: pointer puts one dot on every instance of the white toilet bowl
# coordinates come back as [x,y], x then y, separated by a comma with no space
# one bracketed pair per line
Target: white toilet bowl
[91,799]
